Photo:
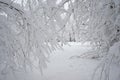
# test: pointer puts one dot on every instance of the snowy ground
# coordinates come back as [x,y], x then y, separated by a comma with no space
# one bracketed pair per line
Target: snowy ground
[65,65]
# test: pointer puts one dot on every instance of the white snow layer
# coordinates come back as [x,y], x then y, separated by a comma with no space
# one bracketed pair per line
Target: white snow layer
[64,66]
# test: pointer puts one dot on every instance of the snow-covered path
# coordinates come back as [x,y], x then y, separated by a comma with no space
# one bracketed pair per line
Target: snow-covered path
[67,65]
[63,67]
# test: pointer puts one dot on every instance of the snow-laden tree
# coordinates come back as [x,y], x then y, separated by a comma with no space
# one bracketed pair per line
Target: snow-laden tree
[28,33]
[31,29]
[98,21]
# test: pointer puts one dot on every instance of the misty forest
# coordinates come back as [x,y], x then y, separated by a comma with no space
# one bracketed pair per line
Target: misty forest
[59,39]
